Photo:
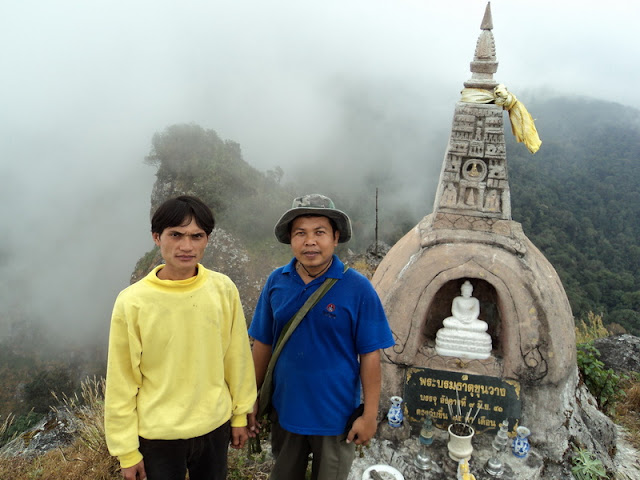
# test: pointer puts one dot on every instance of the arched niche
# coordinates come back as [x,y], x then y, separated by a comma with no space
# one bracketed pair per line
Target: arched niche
[440,308]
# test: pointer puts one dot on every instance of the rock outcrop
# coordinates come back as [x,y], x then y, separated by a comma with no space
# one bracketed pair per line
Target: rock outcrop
[621,353]
[57,429]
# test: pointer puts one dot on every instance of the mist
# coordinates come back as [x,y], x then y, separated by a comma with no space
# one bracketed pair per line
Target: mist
[325,91]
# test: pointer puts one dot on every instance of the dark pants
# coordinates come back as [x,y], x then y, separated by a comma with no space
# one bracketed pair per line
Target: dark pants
[204,457]
[332,456]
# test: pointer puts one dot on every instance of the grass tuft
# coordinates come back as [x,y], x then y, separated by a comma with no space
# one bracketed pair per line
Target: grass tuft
[590,330]
[5,427]
[627,411]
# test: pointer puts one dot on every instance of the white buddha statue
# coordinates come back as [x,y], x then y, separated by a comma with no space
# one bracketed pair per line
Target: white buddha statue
[463,334]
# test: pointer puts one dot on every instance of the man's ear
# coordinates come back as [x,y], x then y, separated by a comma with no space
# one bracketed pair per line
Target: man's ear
[156,238]
[336,237]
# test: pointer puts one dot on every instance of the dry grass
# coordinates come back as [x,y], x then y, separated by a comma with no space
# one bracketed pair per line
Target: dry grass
[628,410]
[88,457]
[590,330]
[5,425]
[75,462]
[364,268]
[79,462]
[89,411]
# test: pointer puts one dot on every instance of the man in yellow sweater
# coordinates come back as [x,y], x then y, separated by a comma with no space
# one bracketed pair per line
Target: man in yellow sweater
[180,378]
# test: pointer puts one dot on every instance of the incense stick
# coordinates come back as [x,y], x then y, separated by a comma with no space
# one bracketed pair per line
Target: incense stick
[474,417]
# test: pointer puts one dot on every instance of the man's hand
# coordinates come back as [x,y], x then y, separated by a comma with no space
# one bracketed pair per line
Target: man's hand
[239,436]
[363,430]
[252,421]
[135,473]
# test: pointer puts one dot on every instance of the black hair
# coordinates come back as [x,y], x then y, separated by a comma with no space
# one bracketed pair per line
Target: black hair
[180,211]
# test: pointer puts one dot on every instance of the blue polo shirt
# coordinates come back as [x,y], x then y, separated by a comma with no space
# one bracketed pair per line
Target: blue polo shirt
[316,382]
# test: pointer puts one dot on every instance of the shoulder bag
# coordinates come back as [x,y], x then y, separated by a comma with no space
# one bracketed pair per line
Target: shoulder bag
[264,404]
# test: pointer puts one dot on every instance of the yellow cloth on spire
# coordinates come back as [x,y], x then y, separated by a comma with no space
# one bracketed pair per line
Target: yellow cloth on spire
[522,124]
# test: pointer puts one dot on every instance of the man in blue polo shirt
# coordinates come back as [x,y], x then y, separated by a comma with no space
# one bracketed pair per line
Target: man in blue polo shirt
[334,350]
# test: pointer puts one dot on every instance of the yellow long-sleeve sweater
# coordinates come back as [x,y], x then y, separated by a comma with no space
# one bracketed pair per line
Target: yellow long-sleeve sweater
[179,362]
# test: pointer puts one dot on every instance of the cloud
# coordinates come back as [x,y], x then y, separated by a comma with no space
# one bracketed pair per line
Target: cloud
[86,84]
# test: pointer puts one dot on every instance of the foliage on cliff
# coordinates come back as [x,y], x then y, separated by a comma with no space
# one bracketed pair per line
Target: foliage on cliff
[194,160]
[578,200]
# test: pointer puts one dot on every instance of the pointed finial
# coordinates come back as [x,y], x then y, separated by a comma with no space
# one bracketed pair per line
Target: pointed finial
[484,63]
[487,21]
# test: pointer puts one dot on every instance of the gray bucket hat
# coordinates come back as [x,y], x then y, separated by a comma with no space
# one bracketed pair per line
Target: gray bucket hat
[313,204]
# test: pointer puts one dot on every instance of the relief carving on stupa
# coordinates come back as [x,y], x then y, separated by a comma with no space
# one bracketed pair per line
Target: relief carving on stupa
[474,173]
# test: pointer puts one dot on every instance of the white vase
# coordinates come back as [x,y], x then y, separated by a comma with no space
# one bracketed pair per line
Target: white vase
[459,446]
[395,415]
[520,446]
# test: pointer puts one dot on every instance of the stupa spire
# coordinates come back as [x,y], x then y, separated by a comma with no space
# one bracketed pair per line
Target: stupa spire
[484,63]
[487,20]
[473,180]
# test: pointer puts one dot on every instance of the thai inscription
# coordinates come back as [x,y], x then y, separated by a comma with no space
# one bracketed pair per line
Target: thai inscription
[489,399]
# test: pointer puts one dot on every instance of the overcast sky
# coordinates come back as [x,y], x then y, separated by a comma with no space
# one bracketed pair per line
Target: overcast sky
[85,85]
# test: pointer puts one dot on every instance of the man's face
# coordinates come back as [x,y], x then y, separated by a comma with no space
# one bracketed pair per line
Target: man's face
[313,242]
[181,247]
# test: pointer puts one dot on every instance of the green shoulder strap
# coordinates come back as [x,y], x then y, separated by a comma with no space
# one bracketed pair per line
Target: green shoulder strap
[288,329]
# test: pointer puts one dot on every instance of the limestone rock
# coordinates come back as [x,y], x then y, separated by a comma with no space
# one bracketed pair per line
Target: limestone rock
[621,353]
[55,430]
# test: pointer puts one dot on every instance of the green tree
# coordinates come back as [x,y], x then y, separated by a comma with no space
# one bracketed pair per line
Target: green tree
[578,201]
[39,391]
